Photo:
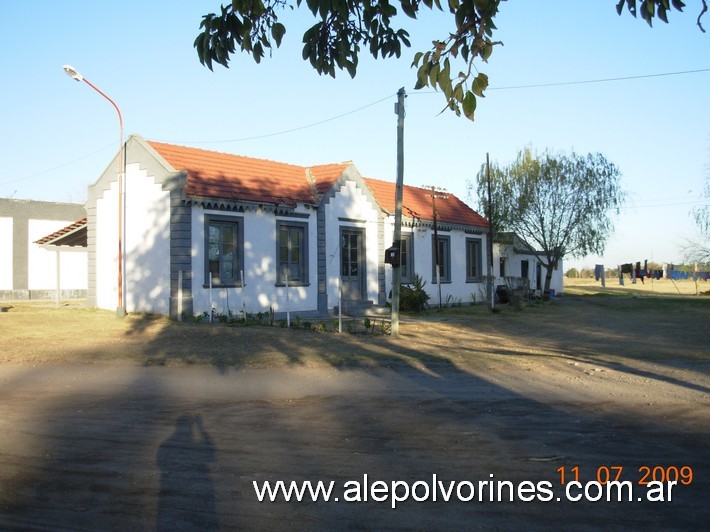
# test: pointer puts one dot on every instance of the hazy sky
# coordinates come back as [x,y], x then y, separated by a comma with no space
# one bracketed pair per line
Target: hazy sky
[58,135]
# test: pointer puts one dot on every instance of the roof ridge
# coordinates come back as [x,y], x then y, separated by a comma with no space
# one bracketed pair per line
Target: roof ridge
[227,154]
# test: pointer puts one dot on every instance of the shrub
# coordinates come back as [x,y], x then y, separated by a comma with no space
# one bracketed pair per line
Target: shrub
[413,297]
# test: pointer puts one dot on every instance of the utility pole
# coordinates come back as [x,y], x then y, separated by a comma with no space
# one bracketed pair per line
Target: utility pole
[437,258]
[396,272]
[489,284]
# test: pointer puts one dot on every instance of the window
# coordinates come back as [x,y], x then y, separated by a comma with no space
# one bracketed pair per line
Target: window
[474,264]
[524,269]
[406,256]
[292,252]
[224,250]
[502,267]
[444,243]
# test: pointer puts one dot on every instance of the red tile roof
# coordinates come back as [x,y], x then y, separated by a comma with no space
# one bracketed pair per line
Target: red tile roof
[72,235]
[417,203]
[324,176]
[220,175]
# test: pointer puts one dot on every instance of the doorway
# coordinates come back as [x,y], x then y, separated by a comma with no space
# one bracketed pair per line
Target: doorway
[352,264]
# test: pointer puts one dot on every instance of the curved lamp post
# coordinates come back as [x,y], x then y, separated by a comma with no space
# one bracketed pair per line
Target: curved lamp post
[121,308]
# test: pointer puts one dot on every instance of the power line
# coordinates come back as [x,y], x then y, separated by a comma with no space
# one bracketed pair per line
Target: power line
[699,202]
[284,132]
[314,124]
[601,80]
[584,82]
[57,167]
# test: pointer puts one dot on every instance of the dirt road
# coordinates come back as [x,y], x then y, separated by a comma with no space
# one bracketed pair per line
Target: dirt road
[124,446]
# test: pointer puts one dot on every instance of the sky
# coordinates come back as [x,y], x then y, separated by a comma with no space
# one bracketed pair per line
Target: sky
[547,91]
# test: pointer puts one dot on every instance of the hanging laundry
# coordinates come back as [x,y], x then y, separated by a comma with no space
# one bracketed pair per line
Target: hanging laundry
[598,271]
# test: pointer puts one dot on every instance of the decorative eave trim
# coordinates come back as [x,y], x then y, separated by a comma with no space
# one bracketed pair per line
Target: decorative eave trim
[468,229]
[222,204]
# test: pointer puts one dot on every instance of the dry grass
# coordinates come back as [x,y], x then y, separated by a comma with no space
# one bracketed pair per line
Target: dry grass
[661,287]
[39,333]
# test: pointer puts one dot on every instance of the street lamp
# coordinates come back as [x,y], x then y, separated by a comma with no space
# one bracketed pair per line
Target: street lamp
[121,308]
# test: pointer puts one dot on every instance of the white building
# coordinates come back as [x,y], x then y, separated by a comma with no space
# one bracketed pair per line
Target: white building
[513,257]
[30,270]
[206,230]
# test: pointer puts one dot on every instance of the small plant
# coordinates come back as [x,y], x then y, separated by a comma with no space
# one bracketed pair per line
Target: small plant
[282,323]
[453,301]
[297,322]
[199,318]
[321,327]
[368,324]
[413,297]
[307,325]
[336,325]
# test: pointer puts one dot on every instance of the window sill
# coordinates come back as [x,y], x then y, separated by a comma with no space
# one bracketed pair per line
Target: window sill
[220,285]
[291,284]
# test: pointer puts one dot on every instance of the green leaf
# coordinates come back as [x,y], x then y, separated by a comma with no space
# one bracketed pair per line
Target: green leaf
[351,68]
[433,74]
[662,14]
[420,84]
[480,83]
[409,9]
[469,105]
[278,31]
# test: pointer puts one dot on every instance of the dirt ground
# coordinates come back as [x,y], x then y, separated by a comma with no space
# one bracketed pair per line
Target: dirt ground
[146,424]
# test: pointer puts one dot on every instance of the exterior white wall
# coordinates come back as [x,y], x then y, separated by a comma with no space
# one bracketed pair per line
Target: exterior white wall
[147,243]
[459,290]
[6,258]
[513,267]
[42,262]
[556,283]
[356,210]
[260,292]
[107,249]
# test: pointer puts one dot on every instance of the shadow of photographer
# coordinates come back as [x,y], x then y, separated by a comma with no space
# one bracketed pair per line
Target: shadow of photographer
[187,495]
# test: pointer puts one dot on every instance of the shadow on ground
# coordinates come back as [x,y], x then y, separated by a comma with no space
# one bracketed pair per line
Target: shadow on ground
[181,448]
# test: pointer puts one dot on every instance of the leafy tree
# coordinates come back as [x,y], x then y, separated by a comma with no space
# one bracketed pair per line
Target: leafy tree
[344,27]
[698,249]
[559,202]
